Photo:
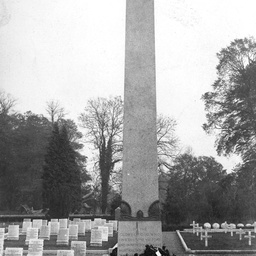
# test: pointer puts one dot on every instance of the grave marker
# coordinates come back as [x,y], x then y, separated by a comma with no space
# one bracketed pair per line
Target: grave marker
[11,251]
[25,226]
[240,233]
[63,237]
[110,229]
[37,223]
[97,222]
[194,224]
[206,236]
[44,222]
[13,232]
[88,225]
[79,248]
[96,237]
[1,246]
[249,236]
[73,232]
[81,228]
[45,232]
[115,224]
[63,223]
[2,233]
[54,227]
[65,253]
[35,247]
[104,233]
[32,233]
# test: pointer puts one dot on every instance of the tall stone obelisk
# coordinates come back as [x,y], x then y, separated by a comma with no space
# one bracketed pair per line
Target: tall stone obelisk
[140,215]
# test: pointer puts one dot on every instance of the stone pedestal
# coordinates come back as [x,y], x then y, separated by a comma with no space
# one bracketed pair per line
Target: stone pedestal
[134,235]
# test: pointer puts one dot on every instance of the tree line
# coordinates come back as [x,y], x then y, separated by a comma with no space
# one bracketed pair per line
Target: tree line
[41,157]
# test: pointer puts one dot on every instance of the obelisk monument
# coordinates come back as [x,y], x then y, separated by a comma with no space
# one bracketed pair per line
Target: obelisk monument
[140,214]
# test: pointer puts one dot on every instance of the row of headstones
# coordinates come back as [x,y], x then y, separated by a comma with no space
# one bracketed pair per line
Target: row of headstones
[226,227]
[65,230]
[78,248]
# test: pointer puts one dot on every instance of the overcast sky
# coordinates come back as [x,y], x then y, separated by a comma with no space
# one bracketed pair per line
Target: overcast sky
[73,50]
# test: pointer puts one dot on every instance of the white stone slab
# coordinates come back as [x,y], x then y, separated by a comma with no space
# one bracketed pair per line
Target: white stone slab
[63,223]
[45,232]
[115,224]
[44,222]
[2,233]
[79,248]
[81,228]
[63,237]
[32,233]
[97,222]
[110,229]
[96,237]
[13,232]
[55,227]
[25,226]
[54,220]
[37,223]
[88,225]
[104,233]
[35,247]
[65,253]
[11,251]
[73,232]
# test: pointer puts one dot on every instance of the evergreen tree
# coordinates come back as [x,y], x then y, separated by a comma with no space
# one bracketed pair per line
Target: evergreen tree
[61,176]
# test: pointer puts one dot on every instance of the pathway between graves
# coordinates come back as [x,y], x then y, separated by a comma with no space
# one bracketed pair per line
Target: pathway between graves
[173,244]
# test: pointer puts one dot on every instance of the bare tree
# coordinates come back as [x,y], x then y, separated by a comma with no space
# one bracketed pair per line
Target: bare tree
[103,120]
[55,111]
[7,102]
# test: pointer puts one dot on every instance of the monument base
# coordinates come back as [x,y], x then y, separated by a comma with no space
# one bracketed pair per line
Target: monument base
[134,235]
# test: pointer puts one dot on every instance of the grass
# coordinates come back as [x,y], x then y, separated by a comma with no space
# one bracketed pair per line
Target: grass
[51,244]
[218,241]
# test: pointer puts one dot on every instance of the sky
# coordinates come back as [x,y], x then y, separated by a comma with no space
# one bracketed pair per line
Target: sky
[71,51]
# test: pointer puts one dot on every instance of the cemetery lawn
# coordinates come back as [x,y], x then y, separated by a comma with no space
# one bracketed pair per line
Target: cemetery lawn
[51,244]
[218,241]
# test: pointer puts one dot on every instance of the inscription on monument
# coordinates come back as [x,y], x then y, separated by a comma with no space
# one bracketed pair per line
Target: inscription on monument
[135,235]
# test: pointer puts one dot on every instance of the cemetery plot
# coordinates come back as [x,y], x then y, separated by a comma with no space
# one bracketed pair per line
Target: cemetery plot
[25,226]
[63,223]
[54,228]
[52,243]
[219,241]
[81,228]
[88,225]
[37,223]
[65,253]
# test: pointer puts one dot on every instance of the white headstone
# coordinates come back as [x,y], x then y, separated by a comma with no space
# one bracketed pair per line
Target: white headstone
[104,233]
[26,220]
[215,225]
[97,222]
[115,224]
[63,237]
[207,225]
[79,248]
[44,222]
[88,225]
[65,253]
[37,223]
[73,232]
[77,220]
[81,228]
[55,227]
[32,233]
[12,251]
[44,232]
[2,232]
[110,229]
[25,226]
[35,247]
[13,232]
[240,225]
[63,223]
[96,237]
